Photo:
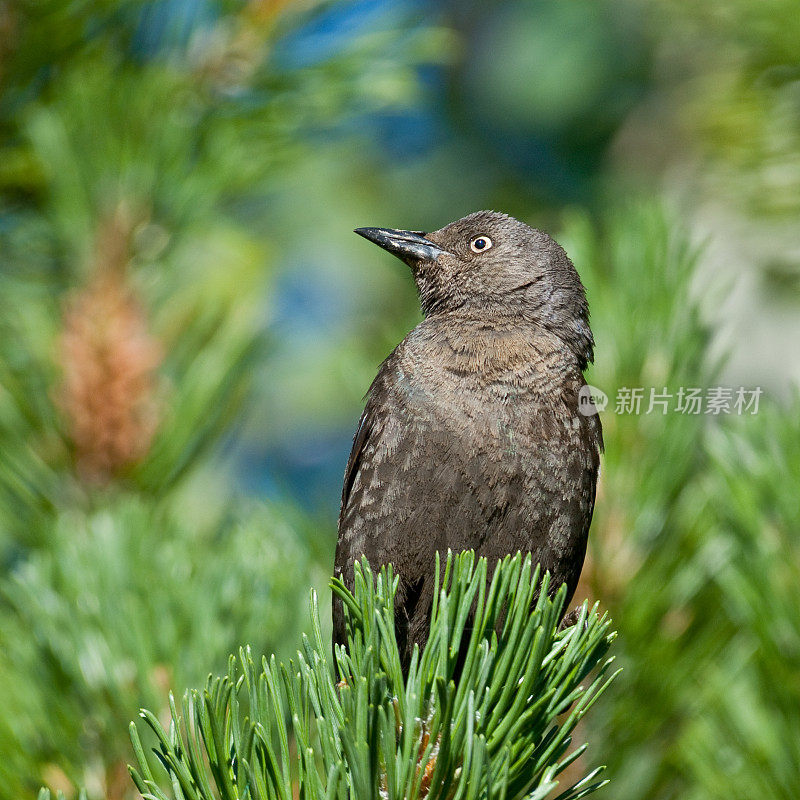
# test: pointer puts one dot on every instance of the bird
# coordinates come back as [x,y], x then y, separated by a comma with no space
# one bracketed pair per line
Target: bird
[472,437]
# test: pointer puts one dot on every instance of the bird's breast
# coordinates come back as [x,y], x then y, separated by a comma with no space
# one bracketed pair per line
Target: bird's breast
[504,407]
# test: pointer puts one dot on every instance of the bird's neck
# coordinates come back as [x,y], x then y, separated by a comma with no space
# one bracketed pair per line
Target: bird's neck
[512,348]
[553,325]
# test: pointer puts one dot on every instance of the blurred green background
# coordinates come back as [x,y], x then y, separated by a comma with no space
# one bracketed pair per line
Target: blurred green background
[188,327]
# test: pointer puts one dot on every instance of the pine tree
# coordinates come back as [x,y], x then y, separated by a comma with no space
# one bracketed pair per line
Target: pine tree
[131,323]
[694,545]
[492,719]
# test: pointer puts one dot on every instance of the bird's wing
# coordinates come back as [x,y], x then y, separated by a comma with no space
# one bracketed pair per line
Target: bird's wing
[346,550]
[365,425]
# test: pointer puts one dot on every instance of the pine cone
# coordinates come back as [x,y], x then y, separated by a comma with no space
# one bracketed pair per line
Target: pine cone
[109,362]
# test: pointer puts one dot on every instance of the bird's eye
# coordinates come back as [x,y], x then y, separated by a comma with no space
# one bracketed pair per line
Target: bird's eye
[480,243]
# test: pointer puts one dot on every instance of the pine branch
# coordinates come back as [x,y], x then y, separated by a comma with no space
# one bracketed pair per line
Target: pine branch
[45,794]
[500,728]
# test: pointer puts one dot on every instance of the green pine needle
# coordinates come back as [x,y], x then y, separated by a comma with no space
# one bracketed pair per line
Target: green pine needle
[499,729]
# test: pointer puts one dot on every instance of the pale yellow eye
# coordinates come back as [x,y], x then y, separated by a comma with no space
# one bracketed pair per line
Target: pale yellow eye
[480,243]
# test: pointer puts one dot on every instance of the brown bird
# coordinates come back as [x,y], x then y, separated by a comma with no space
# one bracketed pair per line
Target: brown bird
[472,436]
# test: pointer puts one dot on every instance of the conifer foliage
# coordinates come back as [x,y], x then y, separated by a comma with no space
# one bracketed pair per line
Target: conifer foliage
[487,709]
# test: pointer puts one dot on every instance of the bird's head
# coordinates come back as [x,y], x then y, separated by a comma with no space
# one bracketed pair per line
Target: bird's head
[494,265]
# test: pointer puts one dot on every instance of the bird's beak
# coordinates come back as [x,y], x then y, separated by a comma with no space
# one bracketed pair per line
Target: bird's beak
[406,245]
